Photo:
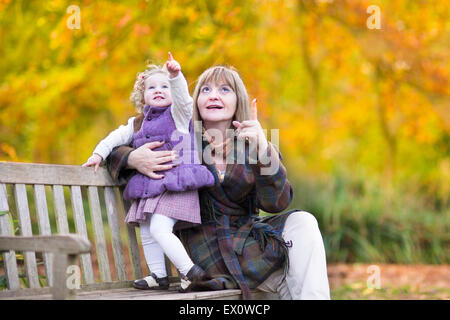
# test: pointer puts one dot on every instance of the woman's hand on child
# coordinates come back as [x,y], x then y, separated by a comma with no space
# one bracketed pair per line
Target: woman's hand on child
[173,66]
[93,160]
[147,161]
[251,130]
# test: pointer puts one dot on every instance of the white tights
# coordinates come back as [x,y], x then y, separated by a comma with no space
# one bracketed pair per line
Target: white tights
[157,239]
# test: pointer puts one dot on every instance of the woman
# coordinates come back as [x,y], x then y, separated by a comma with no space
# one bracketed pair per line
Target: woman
[283,253]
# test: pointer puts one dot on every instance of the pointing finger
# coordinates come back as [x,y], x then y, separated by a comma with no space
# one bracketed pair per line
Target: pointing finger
[170,56]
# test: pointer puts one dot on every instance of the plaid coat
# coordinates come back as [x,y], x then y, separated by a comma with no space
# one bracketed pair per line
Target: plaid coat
[236,247]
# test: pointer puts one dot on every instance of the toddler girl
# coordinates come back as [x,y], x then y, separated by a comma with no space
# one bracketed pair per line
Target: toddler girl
[162,98]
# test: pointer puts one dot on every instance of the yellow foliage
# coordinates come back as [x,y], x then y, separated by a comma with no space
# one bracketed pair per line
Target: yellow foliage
[339,92]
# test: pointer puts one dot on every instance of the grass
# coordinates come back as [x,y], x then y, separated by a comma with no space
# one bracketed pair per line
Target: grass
[362,222]
[359,291]
[388,281]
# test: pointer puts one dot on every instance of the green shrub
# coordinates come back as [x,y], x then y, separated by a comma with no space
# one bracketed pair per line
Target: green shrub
[363,222]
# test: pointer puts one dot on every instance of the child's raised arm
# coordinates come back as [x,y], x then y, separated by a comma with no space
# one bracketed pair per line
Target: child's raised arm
[182,103]
[173,66]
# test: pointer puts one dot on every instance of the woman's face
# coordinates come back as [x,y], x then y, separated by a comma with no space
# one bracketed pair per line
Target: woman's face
[216,102]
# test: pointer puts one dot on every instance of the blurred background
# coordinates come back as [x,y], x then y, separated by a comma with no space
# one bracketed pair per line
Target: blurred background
[363,113]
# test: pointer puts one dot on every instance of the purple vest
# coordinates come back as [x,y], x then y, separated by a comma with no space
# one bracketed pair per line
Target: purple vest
[190,174]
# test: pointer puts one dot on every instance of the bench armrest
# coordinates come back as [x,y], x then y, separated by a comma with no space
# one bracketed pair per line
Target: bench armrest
[65,249]
[67,243]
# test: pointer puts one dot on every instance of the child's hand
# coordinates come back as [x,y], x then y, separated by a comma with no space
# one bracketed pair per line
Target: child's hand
[95,159]
[173,67]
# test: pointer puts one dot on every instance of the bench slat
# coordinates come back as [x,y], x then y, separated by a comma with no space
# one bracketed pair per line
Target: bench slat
[100,242]
[44,227]
[60,208]
[33,173]
[113,219]
[9,258]
[134,251]
[80,226]
[25,228]
[132,244]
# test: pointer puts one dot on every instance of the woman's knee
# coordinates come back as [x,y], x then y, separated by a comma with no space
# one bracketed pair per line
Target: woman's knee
[302,219]
[302,232]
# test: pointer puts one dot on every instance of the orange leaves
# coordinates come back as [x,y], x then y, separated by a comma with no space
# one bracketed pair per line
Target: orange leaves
[124,20]
[321,76]
[7,152]
[141,30]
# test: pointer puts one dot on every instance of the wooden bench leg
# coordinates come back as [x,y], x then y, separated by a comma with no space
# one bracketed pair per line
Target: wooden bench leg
[60,289]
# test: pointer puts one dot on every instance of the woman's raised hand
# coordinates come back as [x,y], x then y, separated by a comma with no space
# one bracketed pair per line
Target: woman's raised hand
[251,129]
[172,66]
[147,161]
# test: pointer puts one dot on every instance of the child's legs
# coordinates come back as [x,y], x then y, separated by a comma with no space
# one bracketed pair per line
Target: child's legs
[161,229]
[154,254]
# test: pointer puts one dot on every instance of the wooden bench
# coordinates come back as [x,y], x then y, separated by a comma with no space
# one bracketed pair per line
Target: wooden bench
[54,201]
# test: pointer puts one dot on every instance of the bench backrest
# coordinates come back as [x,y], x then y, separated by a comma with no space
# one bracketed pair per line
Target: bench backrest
[53,188]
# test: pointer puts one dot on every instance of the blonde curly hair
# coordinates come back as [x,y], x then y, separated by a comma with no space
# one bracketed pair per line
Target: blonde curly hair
[137,96]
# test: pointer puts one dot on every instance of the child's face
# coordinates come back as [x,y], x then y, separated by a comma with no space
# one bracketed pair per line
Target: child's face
[157,91]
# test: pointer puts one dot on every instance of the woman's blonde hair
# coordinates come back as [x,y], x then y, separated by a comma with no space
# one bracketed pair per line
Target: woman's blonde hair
[137,96]
[230,76]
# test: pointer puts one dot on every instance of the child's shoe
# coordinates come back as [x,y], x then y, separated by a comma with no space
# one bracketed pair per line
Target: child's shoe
[195,274]
[152,282]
